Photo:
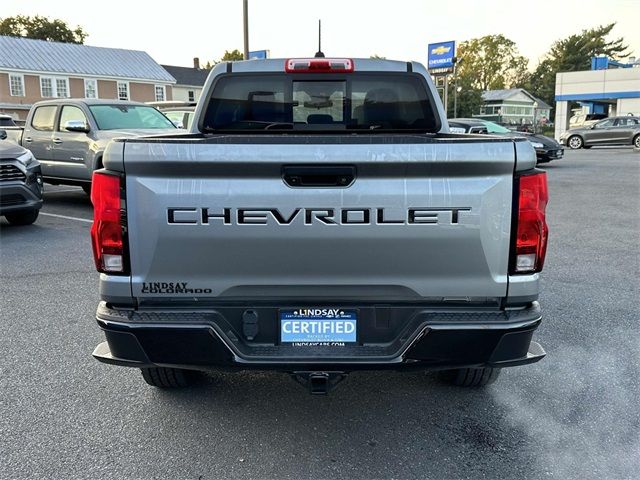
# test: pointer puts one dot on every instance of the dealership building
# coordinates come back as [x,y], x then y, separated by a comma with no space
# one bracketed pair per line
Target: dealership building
[612,88]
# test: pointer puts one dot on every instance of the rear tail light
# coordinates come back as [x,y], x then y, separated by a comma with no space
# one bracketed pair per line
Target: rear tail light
[318,65]
[107,235]
[532,230]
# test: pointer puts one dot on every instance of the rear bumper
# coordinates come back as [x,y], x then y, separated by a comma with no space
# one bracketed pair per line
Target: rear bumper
[408,337]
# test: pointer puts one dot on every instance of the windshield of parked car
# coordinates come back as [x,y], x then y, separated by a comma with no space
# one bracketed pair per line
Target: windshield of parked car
[116,117]
[364,102]
[495,128]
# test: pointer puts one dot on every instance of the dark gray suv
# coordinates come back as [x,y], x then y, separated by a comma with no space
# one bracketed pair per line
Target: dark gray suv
[610,131]
[20,183]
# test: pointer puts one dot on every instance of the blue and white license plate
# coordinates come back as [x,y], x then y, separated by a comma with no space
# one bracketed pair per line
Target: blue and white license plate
[318,326]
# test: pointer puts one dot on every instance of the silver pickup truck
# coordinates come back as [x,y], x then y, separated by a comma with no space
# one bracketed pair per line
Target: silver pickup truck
[68,136]
[319,219]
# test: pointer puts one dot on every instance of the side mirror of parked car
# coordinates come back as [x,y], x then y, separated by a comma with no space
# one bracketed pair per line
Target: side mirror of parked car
[3,134]
[76,126]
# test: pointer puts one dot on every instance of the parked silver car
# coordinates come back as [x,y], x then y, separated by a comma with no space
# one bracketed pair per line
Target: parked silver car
[610,131]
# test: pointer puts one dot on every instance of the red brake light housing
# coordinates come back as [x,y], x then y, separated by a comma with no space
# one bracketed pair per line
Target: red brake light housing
[107,231]
[318,65]
[530,243]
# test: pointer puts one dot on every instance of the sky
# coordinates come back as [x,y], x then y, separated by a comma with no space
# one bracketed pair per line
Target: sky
[174,32]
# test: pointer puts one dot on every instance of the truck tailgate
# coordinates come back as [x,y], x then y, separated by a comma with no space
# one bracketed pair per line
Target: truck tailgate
[214,219]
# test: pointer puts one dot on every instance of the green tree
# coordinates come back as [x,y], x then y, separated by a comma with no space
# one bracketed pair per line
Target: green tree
[574,53]
[229,56]
[232,56]
[375,56]
[491,62]
[469,98]
[41,28]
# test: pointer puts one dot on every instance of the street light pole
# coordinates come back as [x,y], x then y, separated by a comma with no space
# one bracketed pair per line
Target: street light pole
[245,21]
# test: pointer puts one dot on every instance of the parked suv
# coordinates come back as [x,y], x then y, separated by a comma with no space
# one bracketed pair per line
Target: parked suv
[610,131]
[20,183]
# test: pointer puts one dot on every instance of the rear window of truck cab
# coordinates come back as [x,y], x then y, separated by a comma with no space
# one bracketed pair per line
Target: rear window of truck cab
[363,102]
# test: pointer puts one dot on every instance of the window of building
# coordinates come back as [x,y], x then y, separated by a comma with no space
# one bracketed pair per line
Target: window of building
[191,95]
[62,88]
[54,87]
[90,88]
[123,90]
[16,85]
[44,117]
[46,87]
[71,113]
[160,94]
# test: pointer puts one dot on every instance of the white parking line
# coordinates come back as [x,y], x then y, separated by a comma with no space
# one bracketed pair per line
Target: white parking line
[66,217]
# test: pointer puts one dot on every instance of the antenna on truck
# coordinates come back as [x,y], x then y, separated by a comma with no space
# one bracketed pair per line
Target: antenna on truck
[319,53]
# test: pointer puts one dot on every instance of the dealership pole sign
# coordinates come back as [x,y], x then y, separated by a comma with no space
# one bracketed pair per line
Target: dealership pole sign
[442,57]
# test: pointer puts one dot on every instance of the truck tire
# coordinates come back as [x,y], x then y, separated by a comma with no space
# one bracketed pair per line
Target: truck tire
[575,142]
[470,377]
[26,217]
[166,377]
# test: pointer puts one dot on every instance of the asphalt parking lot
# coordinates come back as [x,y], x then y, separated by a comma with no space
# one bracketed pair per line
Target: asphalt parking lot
[576,414]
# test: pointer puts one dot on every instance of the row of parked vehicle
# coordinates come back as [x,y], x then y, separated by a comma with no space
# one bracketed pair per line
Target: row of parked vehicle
[611,131]
[546,148]
[68,138]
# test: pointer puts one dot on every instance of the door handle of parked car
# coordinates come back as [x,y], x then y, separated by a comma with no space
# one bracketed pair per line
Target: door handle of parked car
[57,141]
[28,139]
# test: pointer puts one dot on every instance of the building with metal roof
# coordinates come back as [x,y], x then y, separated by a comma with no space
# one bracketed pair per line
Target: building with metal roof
[33,70]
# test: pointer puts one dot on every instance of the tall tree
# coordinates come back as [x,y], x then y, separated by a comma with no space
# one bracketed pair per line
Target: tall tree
[491,62]
[232,56]
[41,28]
[486,63]
[574,53]
[229,56]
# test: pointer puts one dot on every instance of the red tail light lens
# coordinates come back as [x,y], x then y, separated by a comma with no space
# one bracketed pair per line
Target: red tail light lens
[532,230]
[106,232]
[318,65]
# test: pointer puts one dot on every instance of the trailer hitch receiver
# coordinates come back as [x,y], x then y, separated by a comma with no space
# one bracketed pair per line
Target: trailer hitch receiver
[319,383]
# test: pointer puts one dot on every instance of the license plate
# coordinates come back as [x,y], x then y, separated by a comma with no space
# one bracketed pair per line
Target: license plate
[318,326]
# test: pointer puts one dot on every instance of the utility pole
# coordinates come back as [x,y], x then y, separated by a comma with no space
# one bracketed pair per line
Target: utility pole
[245,21]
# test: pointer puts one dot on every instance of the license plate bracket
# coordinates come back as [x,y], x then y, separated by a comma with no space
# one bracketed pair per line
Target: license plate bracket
[318,326]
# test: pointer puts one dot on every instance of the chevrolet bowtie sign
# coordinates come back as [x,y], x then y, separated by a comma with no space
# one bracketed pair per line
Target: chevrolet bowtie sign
[441,54]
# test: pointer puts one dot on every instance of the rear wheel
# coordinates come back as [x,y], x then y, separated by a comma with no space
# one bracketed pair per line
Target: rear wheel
[636,141]
[575,142]
[470,377]
[26,217]
[167,377]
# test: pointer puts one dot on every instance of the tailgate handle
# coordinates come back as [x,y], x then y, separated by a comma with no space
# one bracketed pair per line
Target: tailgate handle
[319,176]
